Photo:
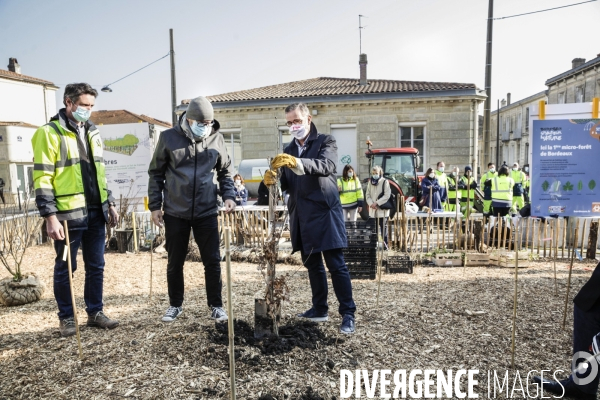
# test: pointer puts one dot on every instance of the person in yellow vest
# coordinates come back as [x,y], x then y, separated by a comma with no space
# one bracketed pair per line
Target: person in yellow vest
[452,179]
[351,194]
[487,191]
[443,182]
[502,192]
[519,178]
[467,185]
[70,185]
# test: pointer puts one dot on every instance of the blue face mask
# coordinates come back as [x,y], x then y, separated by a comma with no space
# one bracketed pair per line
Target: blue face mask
[375,176]
[200,130]
[82,114]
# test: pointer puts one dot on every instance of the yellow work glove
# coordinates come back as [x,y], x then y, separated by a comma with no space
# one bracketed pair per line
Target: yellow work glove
[284,160]
[270,178]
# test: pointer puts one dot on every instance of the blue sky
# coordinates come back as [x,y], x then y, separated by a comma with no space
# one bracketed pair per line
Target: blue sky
[224,46]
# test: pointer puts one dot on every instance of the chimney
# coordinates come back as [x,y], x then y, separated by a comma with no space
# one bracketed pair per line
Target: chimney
[577,62]
[14,66]
[502,103]
[508,99]
[362,61]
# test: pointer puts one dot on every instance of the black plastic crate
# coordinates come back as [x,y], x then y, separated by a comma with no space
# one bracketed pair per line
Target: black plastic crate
[362,271]
[366,242]
[359,252]
[399,265]
[369,224]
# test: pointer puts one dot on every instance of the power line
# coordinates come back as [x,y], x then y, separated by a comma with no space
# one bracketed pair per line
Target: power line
[166,55]
[548,9]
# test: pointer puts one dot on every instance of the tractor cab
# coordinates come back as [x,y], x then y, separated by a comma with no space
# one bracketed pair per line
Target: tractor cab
[400,167]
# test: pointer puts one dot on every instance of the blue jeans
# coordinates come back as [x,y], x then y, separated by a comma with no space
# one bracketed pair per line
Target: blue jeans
[586,324]
[92,241]
[340,278]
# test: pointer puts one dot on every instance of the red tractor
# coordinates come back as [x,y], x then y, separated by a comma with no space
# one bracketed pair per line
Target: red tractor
[399,166]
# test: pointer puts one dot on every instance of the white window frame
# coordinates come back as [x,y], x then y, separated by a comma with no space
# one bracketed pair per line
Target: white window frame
[416,124]
[579,94]
[228,137]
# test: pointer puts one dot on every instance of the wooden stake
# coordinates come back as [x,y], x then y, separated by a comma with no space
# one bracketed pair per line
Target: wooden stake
[545,235]
[555,236]
[428,227]
[565,225]
[438,233]
[527,234]
[133,224]
[489,232]
[582,236]
[504,234]
[68,251]
[230,313]
[569,280]
[379,259]
[496,231]
[421,232]
[539,236]
[514,321]
[151,258]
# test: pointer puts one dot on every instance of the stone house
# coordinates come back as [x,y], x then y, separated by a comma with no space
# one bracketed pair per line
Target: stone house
[25,104]
[580,84]
[514,131]
[440,119]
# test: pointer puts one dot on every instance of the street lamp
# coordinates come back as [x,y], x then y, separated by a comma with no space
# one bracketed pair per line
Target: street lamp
[106,89]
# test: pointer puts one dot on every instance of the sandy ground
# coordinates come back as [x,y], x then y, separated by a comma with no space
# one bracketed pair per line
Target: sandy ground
[435,318]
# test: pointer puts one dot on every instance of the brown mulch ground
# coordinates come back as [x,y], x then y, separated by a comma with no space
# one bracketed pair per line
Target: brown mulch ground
[436,318]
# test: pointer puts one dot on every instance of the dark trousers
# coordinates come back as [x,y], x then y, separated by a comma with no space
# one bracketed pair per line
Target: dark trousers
[206,235]
[2,195]
[92,242]
[503,211]
[340,278]
[586,324]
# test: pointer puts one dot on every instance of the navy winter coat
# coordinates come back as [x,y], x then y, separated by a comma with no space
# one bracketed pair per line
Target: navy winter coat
[316,216]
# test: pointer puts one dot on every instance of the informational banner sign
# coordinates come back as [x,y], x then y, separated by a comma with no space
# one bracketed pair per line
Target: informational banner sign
[127,154]
[566,161]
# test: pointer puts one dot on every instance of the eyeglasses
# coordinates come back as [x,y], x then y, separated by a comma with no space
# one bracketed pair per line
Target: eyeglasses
[211,123]
[294,122]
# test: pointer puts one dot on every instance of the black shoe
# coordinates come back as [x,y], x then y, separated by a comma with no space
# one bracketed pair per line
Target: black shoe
[566,387]
[67,327]
[99,320]
[314,316]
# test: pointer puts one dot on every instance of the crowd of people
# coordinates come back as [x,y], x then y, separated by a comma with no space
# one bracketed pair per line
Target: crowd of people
[190,168]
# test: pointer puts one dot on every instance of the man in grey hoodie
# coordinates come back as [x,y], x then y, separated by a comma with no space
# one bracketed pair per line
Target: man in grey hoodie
[183,196]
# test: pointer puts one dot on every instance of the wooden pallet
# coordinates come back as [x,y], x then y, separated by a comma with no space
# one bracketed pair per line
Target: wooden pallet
[476,259]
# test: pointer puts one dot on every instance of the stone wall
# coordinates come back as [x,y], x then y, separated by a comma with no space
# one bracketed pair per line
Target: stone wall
[450,125]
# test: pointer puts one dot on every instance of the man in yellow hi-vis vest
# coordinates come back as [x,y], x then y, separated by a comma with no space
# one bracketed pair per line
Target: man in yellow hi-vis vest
[519,178]
[70,185]
[487,191]
[502,192]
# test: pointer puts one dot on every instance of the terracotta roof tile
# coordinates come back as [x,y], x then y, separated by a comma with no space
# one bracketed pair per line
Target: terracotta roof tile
[110,117]
[334,87]
[17,123]
[24,78]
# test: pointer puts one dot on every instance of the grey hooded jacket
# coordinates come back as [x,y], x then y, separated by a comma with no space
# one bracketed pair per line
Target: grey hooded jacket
[182,173]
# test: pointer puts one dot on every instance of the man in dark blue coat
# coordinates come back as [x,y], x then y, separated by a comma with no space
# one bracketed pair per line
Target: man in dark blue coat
[316,218]
[583,383]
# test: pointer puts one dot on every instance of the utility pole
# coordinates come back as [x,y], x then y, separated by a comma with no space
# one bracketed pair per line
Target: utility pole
[173,85]
[488,85]
[498,136]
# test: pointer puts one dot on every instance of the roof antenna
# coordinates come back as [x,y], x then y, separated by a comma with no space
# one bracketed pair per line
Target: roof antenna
[360,28]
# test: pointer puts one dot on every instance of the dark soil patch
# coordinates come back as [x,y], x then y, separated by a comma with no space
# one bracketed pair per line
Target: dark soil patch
[302,334]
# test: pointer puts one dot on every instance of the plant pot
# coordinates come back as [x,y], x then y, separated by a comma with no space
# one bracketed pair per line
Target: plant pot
[28,290]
